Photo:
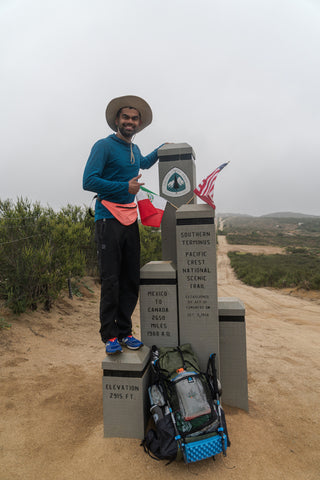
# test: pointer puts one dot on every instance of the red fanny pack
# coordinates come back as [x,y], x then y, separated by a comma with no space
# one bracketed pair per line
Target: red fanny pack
[124,213]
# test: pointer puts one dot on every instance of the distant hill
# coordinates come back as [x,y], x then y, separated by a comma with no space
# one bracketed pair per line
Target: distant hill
[269,215]
[289,215]
[225,215]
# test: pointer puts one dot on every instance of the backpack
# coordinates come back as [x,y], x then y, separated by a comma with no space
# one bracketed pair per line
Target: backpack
[185,405]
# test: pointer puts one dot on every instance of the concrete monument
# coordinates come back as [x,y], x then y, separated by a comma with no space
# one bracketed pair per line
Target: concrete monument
[177,177]
[124,387]
[158,305]
[197,280]
[233,358]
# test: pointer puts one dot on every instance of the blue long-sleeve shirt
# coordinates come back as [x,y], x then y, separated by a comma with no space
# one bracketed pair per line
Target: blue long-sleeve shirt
[109,169]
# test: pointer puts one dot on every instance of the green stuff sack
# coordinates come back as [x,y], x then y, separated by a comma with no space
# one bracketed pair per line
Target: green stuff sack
[172,359]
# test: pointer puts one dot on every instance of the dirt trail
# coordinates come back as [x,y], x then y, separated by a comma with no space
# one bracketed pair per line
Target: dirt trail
[51,395]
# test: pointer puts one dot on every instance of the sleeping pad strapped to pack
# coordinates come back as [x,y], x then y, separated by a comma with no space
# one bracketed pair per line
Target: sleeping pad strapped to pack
[185,405]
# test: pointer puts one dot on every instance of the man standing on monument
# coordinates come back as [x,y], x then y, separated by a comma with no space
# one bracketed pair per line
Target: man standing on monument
[112,172]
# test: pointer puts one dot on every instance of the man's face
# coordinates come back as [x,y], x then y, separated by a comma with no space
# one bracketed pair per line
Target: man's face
[128,121]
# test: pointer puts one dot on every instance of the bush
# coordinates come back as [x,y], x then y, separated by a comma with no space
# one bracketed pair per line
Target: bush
[299,269]
[39,250]
[150,244]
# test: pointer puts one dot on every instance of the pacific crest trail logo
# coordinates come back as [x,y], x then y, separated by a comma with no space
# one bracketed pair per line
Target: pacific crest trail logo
[175,183]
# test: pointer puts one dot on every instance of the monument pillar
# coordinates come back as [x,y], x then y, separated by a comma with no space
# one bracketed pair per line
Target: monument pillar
[197,280]
[233,352]
[124,388]
[158,305]
[177,180]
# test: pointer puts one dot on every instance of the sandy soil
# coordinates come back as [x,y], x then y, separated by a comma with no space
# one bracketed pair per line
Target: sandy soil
[51,394]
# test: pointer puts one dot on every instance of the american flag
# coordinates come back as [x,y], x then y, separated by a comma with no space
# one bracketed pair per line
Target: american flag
[205,189]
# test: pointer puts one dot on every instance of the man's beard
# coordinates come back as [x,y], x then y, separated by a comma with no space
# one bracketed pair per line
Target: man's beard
[127,133]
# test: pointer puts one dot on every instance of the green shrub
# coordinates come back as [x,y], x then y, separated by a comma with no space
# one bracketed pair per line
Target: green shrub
[39,250]
[150,244]
[298,269]
[4,324]
[281,232]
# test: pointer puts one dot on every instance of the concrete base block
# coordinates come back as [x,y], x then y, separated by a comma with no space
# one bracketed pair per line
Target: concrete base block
[158,304]
[233,352]
[125,382]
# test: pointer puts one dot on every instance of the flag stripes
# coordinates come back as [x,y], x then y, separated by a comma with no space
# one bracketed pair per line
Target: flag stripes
[206,187]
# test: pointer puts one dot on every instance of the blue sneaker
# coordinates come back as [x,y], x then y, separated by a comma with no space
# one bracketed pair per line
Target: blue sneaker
[113,346]
[131,342]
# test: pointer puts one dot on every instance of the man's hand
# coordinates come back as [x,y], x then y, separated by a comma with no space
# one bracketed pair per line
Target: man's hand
[134,185]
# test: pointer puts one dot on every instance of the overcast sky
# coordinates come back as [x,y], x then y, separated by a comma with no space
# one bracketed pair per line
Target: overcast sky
[237,80]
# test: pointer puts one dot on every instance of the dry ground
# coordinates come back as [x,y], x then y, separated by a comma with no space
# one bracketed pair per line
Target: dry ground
[51,394]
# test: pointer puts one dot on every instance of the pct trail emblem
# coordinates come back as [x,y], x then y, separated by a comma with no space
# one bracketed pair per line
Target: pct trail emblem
[175,183]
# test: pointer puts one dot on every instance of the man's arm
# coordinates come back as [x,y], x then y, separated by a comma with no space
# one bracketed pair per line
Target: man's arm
[149,160]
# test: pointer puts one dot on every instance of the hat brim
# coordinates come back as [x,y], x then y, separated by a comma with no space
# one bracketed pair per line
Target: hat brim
[128,101]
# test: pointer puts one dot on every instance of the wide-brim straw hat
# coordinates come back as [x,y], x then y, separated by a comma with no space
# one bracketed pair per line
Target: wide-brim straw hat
[128,101]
